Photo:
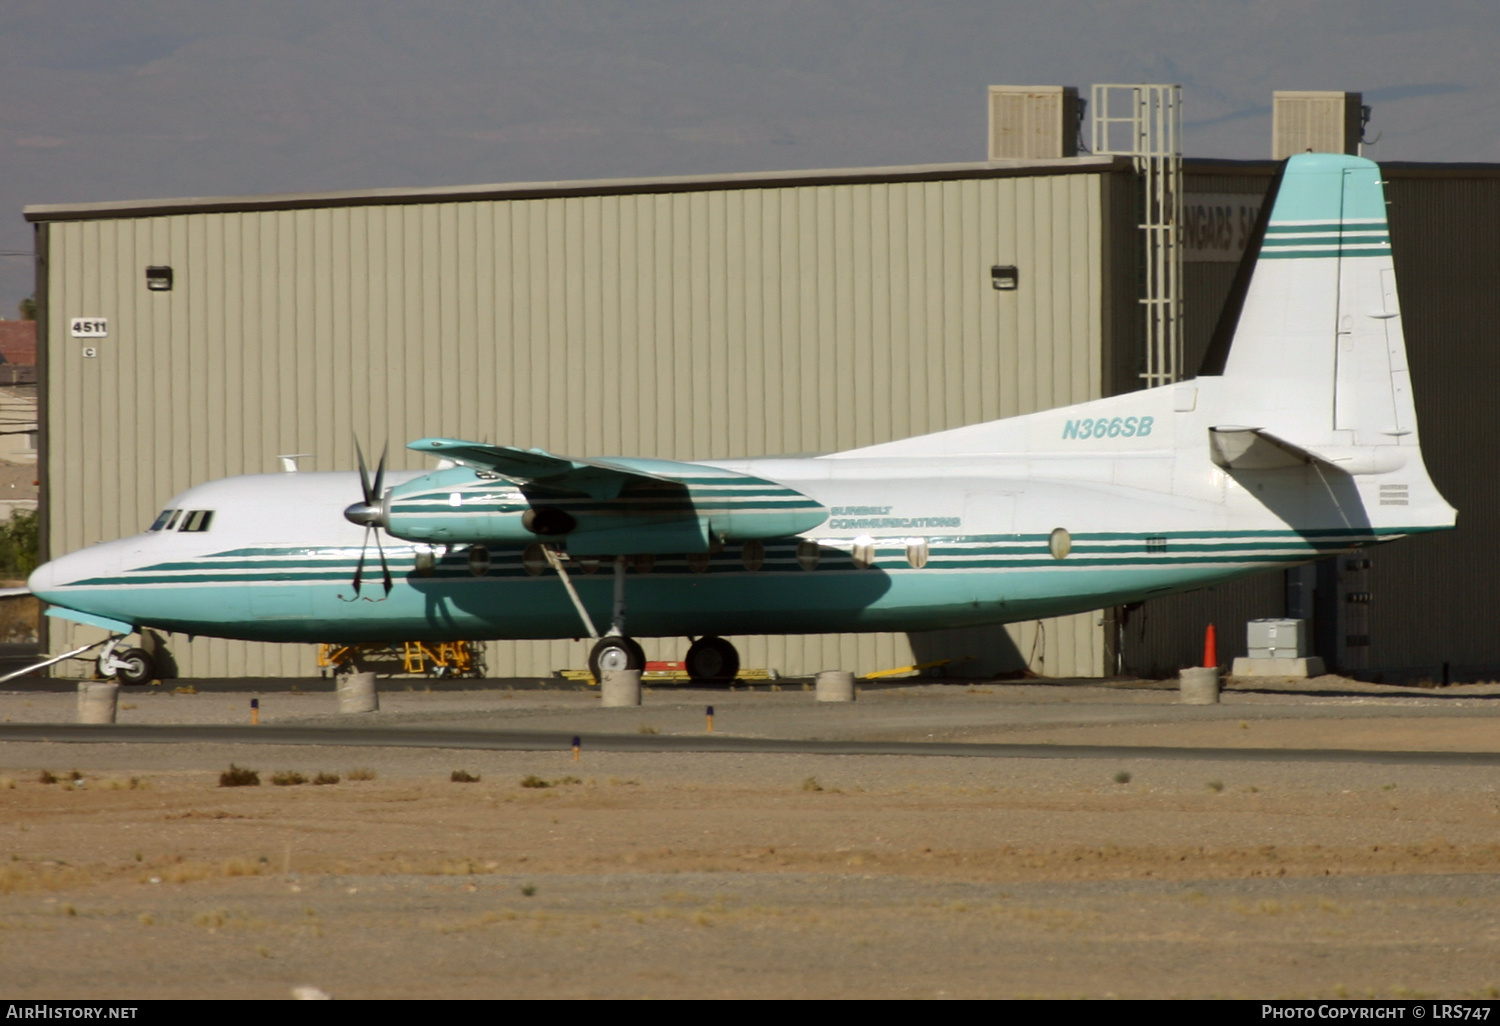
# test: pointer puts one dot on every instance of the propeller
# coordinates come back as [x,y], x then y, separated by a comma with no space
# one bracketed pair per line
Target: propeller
[370,514]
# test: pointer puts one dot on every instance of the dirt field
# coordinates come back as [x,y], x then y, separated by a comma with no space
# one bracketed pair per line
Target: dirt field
[693,875]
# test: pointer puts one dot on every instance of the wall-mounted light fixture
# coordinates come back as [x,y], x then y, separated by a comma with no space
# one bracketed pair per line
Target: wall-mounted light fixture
[159,279]
[1005,278]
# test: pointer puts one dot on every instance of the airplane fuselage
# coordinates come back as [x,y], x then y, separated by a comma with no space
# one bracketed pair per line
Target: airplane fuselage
[909,544]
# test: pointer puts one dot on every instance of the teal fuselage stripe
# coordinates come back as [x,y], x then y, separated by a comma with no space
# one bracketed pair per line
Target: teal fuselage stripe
[305,594]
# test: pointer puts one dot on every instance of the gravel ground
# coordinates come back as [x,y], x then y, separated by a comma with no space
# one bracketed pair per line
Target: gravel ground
[681,875]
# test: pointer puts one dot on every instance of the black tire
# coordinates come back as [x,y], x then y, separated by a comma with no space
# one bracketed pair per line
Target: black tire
[139,667]
[712,661]
[615,653]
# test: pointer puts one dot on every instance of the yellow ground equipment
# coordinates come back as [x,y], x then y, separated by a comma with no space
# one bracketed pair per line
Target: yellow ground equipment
[671,673]
[445,659]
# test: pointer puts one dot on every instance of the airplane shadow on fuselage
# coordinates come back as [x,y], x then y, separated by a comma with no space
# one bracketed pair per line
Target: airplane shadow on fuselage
[1315,494]
[669,600]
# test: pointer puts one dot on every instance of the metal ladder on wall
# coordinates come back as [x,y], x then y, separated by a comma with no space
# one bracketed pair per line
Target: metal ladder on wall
[1144,122]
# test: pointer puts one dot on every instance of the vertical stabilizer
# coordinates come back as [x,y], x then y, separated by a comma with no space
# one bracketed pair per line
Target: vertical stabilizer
[1317,355]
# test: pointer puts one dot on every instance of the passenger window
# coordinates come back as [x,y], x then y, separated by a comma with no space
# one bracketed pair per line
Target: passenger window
[916,552]
[862,551]
[161,521]
[197,520]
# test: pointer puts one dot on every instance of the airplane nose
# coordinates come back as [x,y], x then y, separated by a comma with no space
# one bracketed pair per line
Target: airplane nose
[43,579]
[56,575]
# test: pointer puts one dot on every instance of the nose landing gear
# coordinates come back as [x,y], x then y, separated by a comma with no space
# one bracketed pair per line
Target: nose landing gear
[126,665]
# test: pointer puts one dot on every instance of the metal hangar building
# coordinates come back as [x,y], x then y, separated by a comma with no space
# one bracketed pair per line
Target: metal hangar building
[718,316]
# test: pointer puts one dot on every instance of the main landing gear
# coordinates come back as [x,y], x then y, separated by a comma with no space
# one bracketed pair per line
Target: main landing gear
[710,660]
[616,650]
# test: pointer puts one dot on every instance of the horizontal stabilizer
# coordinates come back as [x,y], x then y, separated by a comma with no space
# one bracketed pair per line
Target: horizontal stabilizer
[1246,448]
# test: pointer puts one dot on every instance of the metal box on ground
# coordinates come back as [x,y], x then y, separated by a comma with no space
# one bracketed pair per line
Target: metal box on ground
[1278,648]
[1276,639]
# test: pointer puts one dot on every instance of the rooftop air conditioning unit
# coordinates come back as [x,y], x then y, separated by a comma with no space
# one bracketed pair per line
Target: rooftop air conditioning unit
[1316,122]
[1034,122]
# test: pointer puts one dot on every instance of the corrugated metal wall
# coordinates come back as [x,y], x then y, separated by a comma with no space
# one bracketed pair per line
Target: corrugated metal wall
[686,325]
[1433,596]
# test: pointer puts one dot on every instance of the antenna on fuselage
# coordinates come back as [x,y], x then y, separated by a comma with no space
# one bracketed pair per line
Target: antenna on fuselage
[289,461]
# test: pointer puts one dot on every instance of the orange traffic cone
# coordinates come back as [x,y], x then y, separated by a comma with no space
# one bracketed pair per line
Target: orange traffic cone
[1210,647]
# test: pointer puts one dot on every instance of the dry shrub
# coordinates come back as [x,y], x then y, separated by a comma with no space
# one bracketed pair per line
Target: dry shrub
[288,778]
[238,776]
[46,777]
[535,781]
[811,784]
[7,783]
[241,867]
[16,877]
[464,777]
[326,778]
[361,773]
[188,872]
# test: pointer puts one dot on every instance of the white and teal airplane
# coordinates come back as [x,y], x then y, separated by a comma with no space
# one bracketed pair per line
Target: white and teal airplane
[1298,440]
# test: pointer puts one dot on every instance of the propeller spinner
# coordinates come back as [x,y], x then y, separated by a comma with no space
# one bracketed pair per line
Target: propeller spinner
[370,514]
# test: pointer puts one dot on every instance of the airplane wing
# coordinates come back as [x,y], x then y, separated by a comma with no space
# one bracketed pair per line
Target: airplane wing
[663,505]
[598,479]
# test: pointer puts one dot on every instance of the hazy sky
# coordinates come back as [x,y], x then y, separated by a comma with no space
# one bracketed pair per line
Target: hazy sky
[114,99]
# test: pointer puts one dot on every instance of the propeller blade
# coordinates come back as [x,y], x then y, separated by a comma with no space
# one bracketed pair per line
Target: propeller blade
[364,473]
[359,570]
[385,570]
[378,493]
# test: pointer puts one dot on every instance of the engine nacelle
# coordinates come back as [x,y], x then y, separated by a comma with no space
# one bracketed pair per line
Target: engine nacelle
[649,515]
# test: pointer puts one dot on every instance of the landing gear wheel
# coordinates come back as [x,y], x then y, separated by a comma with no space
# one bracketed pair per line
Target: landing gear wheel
[134,666]
[712,661]
[615,652]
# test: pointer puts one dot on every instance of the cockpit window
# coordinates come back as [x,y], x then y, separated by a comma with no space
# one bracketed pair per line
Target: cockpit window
[173,522]
[161,522]
[197,520]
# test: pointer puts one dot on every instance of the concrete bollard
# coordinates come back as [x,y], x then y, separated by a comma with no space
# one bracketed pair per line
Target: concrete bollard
[835,686]
[97,701]
[620,688]
[1199,685]
[357,693]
